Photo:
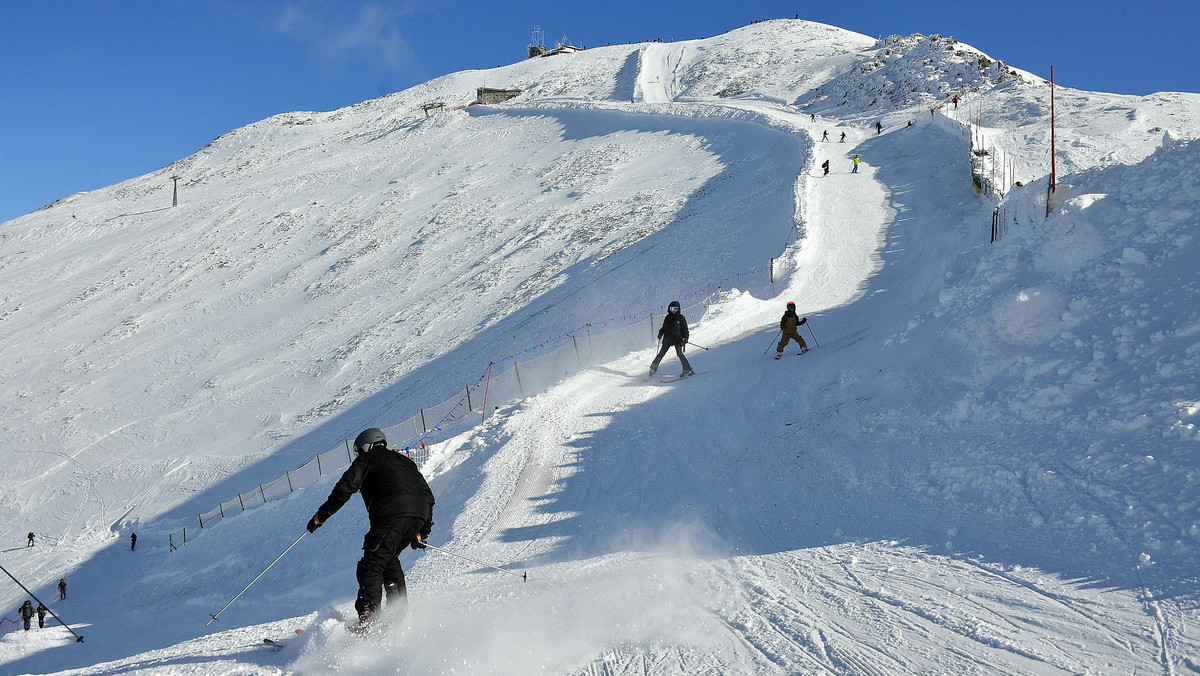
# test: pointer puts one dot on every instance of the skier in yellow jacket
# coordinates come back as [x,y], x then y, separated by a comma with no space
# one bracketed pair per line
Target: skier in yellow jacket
[790,326]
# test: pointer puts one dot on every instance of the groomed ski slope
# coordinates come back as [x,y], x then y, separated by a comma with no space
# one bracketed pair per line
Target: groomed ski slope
[940,487]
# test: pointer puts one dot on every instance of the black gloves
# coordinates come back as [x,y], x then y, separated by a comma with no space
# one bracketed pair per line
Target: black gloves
[418,541]
[803,320]
[314,523]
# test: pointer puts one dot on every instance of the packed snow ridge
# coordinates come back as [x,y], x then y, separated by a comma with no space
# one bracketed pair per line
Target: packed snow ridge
[989,462]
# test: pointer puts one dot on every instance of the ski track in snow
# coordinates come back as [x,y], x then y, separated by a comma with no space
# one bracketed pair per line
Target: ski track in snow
[919,494]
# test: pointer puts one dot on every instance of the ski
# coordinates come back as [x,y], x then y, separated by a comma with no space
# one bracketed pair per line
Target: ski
[780,354]
[278,645]
[669,379]
[676,379]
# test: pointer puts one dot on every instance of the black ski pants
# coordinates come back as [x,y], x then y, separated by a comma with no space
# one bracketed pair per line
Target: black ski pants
[379,569]
[678,351]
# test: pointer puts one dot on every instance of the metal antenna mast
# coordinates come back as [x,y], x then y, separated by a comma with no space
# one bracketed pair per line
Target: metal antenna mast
[537,43]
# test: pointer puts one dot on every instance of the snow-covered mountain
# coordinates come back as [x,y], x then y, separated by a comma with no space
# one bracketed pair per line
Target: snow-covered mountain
[988,465]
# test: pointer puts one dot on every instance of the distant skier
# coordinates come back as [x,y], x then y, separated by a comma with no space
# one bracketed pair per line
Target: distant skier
[843,138]
[812,117]
[956,101]
[27,612]
[132,541]
[62,589]
[673,333]
[789,326]
[855,163]
[825,135]
[41,612]
[878,128]
[30,538]
[825,166]
[400,510]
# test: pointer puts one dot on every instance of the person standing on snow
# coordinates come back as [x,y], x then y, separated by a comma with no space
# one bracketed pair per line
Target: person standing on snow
[400,510]
[132,541]
[41,613]
[789,326]
[825,166]
[30,538]
[825,135]
[62,589]
[26,611]
[855,163]
[673,333]
[843,138]
[878,128]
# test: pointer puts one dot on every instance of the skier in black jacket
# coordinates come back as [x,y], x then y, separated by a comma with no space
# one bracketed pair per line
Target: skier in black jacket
[27,613]
[400,509]
[674,332]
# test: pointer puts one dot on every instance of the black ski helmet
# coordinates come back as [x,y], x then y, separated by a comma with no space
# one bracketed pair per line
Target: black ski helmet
[674,304]
[368,438]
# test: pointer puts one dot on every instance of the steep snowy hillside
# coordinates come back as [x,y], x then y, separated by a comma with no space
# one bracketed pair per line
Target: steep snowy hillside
[294,280]
[986,464]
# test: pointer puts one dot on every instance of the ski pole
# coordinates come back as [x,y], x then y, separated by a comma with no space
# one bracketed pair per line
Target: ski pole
[217,616]
[523,576]
[810,332]
[695,345]
[776,338]
[78,638]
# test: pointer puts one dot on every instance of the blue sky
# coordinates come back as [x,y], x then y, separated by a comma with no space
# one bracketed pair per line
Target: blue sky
[98,91]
